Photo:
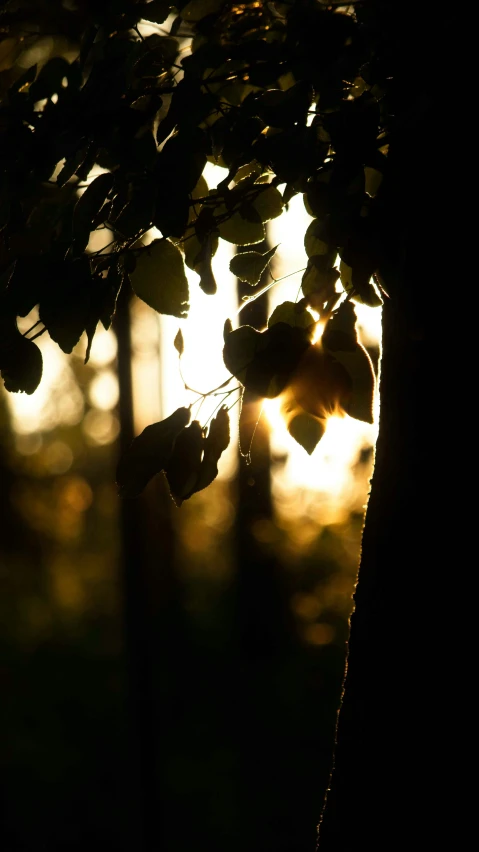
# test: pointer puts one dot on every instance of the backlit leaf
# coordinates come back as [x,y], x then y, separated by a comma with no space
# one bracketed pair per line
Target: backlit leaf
[306,430]
[214,445]
[239,230]
[340,338]
[292,314]
[183,467]
[269,204]
[249,265]
[313,242]
[265,361]
[178,343]
[159,279]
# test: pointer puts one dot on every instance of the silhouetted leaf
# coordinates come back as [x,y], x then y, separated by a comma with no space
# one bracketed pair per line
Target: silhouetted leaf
[340,338]
[159,279]
[149,453]
[207,278]
[172,210]
[214,445]
[193,248]
[72,163]
[21,362]
[157,11]
[320,384]
[239,230]
[361,291]
[280,108]
[86,208]
[178,343]
[227,329]
[306,430]
[240,348]
[50,77]
[314,242]
[137,215]
[249,265]
[107,293]
[319,281]
[65,305]
[264,361]
[202,262]
[269,204]
[26,283]
[183,467]
[293,314]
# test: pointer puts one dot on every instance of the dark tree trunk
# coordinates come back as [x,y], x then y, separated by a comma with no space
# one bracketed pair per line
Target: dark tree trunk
[142,782]
[393,784]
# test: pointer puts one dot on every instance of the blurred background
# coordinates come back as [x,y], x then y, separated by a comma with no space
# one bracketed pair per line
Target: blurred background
[174,668]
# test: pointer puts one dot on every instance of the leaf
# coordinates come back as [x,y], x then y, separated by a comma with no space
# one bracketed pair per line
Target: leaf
[293,314]
[239,230]
[26,283]
[21,362]
[227,328]
[178,343]
[319,281]
[304,427]
[203,267]
[138,213]
[314,244]
[340,338]
[249,265]
[172,211]
[214,445]
[280,108]
[365,294]
[159,279]
[107,294]
[207,278]
[183,467]
[87,208]
[320,384]
[157,11]
[306,430]
[269,204]
[72,163]
[264,361]
[192,248]
[240,348]
[149,453]
[65,305]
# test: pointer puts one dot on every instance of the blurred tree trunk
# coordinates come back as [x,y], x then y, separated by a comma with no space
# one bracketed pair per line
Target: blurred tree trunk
[393,783]
[264,633]
[141,780]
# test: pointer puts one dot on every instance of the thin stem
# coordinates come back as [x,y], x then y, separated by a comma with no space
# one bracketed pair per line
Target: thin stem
[31,328]
[265,289]
[38,334]
[235,402]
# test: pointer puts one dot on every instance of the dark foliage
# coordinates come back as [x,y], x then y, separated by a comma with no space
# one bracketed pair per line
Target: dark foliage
[289,97]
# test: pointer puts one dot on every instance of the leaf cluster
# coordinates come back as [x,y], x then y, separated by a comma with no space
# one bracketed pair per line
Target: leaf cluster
[290,98]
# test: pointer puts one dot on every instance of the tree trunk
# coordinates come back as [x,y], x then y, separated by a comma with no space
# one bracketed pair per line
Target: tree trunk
[393,780]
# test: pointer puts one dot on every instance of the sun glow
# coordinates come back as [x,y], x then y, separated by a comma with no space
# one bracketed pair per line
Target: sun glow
[159,377]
